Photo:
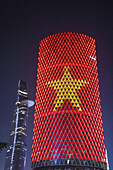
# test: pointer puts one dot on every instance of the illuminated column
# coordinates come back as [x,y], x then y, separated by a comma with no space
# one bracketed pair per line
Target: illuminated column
[68,128]
[17,149]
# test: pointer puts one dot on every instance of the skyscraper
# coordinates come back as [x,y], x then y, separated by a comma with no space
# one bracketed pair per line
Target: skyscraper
[17,150]
[68,127]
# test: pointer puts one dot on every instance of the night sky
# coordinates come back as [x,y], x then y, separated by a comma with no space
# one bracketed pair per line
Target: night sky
[23,25]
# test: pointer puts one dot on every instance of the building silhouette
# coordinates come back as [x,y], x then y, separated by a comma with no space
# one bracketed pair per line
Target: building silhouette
[68,127]
[17,149]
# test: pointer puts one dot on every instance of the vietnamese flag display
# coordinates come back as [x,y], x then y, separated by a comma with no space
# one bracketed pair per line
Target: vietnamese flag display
[68,127]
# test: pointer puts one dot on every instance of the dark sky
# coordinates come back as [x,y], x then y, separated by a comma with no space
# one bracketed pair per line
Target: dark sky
[23,25]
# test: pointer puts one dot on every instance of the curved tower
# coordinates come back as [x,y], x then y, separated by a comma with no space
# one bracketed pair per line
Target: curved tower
[17,149]
[68,128]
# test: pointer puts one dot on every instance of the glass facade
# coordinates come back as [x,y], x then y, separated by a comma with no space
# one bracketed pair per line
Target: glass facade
[17,150]
[68,127]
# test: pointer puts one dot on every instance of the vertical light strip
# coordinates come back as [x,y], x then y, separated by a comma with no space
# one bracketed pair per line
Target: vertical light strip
[17,115]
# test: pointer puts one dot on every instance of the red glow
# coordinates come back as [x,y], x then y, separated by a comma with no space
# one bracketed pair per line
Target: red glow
[68,126]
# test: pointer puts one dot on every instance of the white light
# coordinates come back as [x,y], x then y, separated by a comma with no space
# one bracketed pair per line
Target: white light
[8,150]
[22,92]
[14,142]
[92,57]
[68,161]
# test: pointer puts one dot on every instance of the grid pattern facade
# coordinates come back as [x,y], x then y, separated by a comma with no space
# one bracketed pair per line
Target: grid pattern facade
[68,123]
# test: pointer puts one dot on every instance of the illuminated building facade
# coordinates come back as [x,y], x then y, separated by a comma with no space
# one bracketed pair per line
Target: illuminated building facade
[68,127]
[17,149]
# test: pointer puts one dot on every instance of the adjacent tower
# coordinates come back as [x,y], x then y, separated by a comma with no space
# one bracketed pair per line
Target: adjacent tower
[17,150]
[68,127]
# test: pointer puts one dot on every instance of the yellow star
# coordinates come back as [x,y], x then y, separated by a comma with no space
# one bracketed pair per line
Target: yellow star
[66,89]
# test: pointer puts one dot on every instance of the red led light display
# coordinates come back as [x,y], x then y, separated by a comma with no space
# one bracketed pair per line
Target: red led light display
[68,119]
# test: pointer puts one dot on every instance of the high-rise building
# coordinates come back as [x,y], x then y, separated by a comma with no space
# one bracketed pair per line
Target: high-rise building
[68,127]
[17,149]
